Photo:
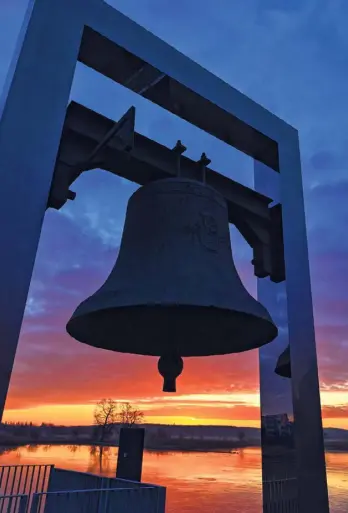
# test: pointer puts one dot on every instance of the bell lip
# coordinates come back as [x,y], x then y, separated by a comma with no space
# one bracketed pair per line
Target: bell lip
[265,324]
[283,367]
[284,371]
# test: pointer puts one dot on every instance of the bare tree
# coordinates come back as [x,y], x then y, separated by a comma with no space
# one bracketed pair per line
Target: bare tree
[105,416]
[129,416]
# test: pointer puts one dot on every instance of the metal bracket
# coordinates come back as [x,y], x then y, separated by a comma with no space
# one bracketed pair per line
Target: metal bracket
[123,134]
[94,141]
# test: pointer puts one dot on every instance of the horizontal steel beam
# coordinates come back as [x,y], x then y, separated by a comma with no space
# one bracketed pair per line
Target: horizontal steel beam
[148,160]
[130,70]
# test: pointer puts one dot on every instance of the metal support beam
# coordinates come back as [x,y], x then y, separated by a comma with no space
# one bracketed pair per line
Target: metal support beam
[121,132]
[31,123]
[297,462]
[100,52]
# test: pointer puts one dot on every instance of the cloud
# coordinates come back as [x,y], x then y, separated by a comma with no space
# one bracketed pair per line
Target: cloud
[335,412]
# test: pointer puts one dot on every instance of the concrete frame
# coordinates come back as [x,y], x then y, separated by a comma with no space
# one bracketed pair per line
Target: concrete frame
[32,117]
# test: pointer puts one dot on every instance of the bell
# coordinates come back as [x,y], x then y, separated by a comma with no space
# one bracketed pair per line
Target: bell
[174,289]
[283,367]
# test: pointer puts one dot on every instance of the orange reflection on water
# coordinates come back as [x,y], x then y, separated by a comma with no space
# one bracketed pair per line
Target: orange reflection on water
[337,477]
[195,482]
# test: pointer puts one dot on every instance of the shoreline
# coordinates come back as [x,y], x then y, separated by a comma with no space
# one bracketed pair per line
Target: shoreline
[22,443]
[12,444]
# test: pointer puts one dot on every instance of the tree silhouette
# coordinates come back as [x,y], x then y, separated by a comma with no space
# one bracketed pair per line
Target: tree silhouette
[105,416]
[129,416]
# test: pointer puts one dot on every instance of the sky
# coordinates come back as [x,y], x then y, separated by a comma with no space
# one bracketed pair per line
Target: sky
[291,57]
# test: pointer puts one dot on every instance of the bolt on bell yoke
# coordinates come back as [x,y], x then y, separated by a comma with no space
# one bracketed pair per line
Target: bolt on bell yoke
[174,291]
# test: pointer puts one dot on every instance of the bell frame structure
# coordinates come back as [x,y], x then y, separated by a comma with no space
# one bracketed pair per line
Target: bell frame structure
[55,35]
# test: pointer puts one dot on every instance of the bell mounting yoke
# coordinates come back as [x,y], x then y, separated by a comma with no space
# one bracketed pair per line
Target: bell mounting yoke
[101,143]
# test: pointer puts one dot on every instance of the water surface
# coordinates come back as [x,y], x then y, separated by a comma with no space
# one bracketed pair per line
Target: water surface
[195,482]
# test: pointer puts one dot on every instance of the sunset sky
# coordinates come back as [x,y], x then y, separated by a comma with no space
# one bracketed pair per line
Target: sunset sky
[292,60]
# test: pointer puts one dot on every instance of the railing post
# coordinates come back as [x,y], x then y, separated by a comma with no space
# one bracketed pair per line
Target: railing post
[34,508]
[23,504]
[161,499]
[130,454]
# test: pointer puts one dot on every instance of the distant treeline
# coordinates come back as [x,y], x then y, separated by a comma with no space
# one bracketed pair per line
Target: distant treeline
[166,437]
[160,437]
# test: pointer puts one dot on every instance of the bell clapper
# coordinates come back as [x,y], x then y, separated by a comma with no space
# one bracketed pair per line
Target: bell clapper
[170,366]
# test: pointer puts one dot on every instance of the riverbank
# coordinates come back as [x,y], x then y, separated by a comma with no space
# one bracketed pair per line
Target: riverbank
[32,443]
[188,446]
[11,444]
[336,446]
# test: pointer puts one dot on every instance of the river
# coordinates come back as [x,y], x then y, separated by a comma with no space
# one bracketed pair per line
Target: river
[204,482]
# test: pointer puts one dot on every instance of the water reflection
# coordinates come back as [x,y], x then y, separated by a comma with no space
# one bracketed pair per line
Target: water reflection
[73,448]
[204,482]
[33,448]
[101,460]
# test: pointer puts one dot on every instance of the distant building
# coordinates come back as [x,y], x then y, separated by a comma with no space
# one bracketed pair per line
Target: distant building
[277,425]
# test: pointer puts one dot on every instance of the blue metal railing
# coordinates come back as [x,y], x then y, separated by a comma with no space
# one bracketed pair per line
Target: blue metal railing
[280,496]
[14,503]
[16,480]
[62,479]
[46,489]
[106,500]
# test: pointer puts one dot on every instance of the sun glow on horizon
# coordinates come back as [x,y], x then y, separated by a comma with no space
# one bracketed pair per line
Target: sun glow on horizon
[229,409]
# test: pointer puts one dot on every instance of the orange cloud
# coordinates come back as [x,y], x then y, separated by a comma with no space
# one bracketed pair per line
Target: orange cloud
[335,412]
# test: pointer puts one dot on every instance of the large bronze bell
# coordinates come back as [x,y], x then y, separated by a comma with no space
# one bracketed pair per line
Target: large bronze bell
[283,367]
[174,290]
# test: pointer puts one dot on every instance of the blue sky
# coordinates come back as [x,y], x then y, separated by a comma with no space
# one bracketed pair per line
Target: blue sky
[292,58]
